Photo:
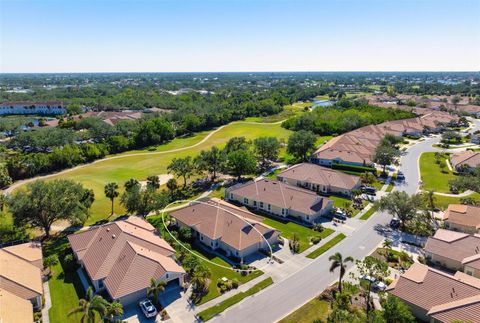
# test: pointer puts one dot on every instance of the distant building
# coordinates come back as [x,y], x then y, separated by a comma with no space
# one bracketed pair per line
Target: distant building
[223,226]
[121,257]
[27,108]
[436,297]
[454,251]
[280,199]
[463,218]
[320,179]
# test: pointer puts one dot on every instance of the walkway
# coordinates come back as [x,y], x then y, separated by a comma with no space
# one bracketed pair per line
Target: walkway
[48,303]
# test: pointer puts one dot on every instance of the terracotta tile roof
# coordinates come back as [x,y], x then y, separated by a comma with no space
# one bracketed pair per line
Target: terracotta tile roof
[14,308]
[134,267]
[468,157]
[282,195]
[427,288]
[466,215]
[99,247]
[312,173]
[30,251]
[464,310]
[453,245]
[359,145]
[19,277]
[224,221]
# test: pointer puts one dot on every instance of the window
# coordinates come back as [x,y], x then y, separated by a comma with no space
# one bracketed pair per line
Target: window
[269,207]
[201,238]
[254,203]
[261,205]
[167,275]
[100,283]
[283,211]
[245,200]
[231,196]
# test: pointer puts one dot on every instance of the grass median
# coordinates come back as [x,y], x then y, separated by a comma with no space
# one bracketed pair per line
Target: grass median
[316,253]
[211,312]
[370,212]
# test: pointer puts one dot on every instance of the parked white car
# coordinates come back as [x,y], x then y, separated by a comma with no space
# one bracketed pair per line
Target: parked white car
[147,308]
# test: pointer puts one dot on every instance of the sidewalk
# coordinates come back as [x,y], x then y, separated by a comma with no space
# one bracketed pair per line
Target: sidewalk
[48,303]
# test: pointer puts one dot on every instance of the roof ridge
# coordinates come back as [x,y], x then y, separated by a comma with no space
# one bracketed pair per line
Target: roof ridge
[19,284]
[454,304]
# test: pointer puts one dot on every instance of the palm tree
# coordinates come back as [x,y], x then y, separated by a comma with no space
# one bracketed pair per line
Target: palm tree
[387,245]
[338,262]
[111,191]
[155,289]
[153,182]
[89,306]
[131,183]
[199,277]
[113,311]
[430,200]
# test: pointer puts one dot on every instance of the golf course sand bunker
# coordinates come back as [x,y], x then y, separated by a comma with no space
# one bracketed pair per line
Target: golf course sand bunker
[162,179]
[217,206]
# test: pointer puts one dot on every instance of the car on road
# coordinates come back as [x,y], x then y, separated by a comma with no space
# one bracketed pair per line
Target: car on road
[147,308]
[400,176]
[395,223]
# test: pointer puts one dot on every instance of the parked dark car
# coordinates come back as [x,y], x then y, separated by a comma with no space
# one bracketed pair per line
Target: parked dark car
[395,223]
[369,190]
[400,176]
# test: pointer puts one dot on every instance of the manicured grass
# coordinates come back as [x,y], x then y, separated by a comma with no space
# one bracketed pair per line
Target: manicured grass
[339,201]
[313,311]
[288,111]
[273,175]
[369,213]
[390,187]
[288,229]
[65,286]
[220,272]
[322,139]
[442,202]
[218,193]
[211,312]
[96,175]
[320,251]
[431,174]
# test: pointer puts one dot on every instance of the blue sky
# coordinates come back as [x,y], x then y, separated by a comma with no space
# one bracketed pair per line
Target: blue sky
[239,35]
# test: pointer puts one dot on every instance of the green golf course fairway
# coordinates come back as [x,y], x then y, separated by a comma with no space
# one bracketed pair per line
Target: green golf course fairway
[139,166]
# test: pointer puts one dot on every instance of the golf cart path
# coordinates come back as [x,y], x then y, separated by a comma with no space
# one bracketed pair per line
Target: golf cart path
[25,181]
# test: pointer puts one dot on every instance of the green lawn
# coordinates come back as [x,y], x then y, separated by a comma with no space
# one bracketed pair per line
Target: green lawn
[432,177]
[320,251]
[442,202]
[65,286]
[211,312]
[96,175]
[288,111]
[390,187]
[314,311]
[219,272]
[369,213]
[288,229]
[322,139]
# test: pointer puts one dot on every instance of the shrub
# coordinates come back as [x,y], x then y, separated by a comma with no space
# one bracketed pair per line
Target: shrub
[315,240]
[318,227]
[235,283]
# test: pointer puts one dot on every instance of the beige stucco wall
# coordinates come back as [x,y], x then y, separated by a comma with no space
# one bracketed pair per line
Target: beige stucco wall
[445,262]
[473,271]
[459,227]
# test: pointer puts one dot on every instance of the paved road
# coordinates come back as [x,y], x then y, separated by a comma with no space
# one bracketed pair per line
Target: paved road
[283,297]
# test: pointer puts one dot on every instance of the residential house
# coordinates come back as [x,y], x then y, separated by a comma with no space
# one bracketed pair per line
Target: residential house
[220,225]
[358,146]
[463,218]
[436,297]
[465,160]
[21,287]
[454,251]
[121,257]
[320,179]
[280,199]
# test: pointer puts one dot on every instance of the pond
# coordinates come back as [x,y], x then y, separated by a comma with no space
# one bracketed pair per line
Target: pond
[322,103]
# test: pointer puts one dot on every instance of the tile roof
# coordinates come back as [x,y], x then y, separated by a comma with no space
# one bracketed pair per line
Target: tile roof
[30,251]
[307,172]
[18,276]
[134,267]
[453,245]
[218,219]
[359,145]
[99,247]
[428,288]
[464,310]
[14,308]
[466,215]
[468,157]
[282,195]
